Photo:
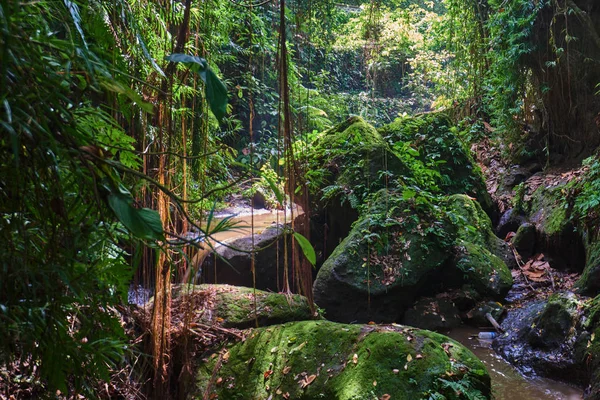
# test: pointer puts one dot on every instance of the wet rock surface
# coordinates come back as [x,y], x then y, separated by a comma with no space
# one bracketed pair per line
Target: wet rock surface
[540,339]
[232,263]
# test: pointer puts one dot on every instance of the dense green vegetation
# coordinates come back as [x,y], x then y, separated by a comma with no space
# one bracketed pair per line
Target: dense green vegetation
[124,125]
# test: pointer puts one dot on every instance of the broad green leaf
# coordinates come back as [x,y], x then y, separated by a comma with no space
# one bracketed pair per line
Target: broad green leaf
[412,152]
[143,223]
[216,94]
[214,89]
[120,88]
[307,248]
[408,193]
[275,189]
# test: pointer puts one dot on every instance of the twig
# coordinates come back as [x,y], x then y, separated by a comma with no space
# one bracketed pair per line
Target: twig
[551,278]
[494,323]
[218,328]
[517,257]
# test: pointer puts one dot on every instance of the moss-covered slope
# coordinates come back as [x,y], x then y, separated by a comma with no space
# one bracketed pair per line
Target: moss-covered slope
[326,360]
[241,307]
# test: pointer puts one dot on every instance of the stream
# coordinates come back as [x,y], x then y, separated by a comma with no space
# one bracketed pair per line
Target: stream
[507,382]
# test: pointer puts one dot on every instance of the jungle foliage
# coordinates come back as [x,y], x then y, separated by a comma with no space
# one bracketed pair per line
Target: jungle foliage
[123,122]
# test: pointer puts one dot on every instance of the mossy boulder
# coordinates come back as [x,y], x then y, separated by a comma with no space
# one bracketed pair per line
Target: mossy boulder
[350,157]
[556,322]
[353,160]
[557,236]
[377,270]
[242,307]
[486,272]
[327,360]
[401,246]
[524,240]
[436,140]
[475,227]
[344,165]
[589,282]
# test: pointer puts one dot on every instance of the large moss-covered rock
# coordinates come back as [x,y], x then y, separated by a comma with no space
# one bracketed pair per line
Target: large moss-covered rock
[353,160]
[377,270]
[326,360]
[475,228]
[486,272]
[556,321]
[401,246]
[344,165]
[242,307]
[435,138]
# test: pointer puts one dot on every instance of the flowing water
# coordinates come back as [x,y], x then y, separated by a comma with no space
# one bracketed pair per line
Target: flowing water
[507,382]
[243,218]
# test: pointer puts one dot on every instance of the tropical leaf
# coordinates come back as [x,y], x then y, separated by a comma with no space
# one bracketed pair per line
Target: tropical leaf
[118,87]
[143,223]
[214,89]
[307,248]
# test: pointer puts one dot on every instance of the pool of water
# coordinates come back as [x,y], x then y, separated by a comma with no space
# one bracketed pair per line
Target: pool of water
[507,382]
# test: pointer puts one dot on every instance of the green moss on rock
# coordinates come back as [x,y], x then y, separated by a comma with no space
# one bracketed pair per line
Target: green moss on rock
[399,246]
[435,138]
[346,161]
[556,322]
[326,360]
[487,273]
[234,306]
[375,272]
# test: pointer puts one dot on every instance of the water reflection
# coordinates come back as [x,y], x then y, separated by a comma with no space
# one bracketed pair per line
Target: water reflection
[507,382]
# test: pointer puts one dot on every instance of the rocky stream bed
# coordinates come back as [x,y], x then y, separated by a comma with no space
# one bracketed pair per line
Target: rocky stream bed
[398,268]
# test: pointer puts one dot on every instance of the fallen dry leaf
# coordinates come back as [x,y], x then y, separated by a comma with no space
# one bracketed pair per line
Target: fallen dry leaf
[355,358]
[385,397]
[307,381]
[268,373]
[287,370]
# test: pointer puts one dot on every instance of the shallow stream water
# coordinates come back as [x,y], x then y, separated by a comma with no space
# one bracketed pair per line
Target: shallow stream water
[507,382]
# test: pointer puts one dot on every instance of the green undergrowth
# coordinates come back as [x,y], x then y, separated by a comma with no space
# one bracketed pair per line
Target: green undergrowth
[420,155]
[326,360]
[349,160]
[435,142]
